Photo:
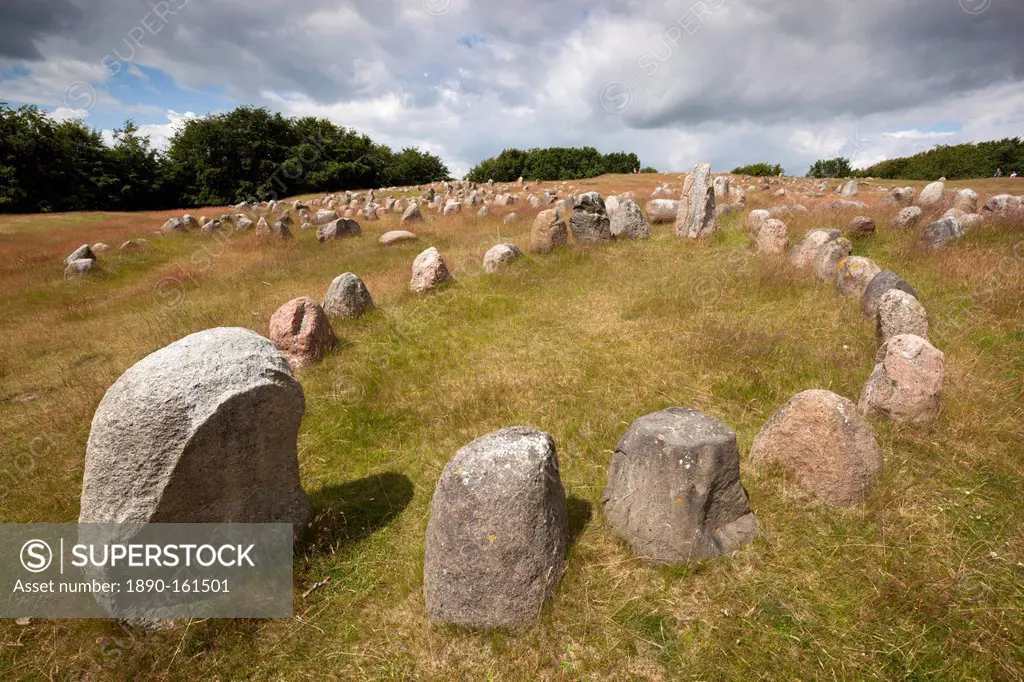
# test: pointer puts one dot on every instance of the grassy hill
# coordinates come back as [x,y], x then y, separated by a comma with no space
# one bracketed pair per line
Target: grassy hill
[922,581]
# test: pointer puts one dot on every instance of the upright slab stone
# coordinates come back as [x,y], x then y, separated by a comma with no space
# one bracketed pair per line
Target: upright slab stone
[821,439]
[347,297]
[589,221]
[906,384]
[899,312]
[803,254]
[772,237]
[500,255]
[696,217]
[827,260]
[429,271]
[881,283]
[674,491]
[302,332]
[629,222]
[931,196]
[853,274]
[338,229]
[201,431]
[548,231]
[498,532]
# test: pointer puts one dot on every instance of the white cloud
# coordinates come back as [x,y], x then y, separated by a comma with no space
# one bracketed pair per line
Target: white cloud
[915,134]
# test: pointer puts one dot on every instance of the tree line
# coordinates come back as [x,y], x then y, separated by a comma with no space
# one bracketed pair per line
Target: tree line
[970,160]
[553,163]
[243,155]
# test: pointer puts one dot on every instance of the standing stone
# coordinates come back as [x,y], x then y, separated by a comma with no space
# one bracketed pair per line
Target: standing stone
[412,214]
[939,234]
[589,220]
[696,217]
[263,227]
[79,268]
[755,219]
[821,440]
[861,226]
[772,237]
[853,275]
[429,271]
[881,283]
[803,254]
[324,216]
[906,384]
[172,226]
[83,252]
[500,255]
[509,218]
[849,189]
[347,297]
[900,313]
[907,217]
[674,491]
[827,261]
[931,196]
[498,532]
[100,247]
[611,205]
[721,187]
[901,196]
[302,332]
[662,210]
[201,431]
[484,212]
[189,221]
[966,200]
[338,229]
[629,222]
[548,232]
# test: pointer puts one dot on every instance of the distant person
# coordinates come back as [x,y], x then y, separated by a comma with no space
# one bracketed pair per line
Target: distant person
[999,172]
[1013,174]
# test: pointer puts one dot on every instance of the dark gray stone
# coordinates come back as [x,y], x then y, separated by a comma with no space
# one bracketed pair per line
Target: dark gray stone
[589,221]
[940,233]
[498,532]
[338,229]
[674,491]
[347,297]
[879,284]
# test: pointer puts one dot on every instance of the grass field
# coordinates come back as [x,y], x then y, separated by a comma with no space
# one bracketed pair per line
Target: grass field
[925,580]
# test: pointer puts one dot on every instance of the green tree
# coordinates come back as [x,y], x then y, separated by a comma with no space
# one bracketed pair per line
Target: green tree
[838,167]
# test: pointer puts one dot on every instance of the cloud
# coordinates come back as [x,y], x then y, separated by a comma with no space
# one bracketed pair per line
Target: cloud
[730,81]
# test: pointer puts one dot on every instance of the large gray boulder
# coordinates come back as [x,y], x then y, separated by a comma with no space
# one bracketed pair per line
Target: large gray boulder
[674,491]
[849,189]
[201,431]
[853,274]
[589,221]
[338,229]
[931,196]
[429,271]
[803,254]
[498,532]
[412,214]
[941,233]
[500,255]
[83,252]
[827,260]
[696,217]
[629,222]
[966,200]
[898,313]
[906,384]
[79,268]
[907,217]
[548,231]
[324,216]
[881,283]
[772,237]
[173,226]
[348,297]
[662,210]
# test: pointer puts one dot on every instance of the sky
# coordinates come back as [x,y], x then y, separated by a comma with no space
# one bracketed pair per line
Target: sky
[726,81]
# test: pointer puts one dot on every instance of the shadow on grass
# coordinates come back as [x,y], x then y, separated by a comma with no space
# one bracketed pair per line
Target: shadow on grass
[580,512]
[350,512]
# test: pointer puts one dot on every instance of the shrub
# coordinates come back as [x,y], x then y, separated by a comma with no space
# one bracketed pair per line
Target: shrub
[763,169]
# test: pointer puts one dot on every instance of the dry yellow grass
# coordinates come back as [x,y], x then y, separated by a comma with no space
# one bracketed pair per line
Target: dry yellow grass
[922,581]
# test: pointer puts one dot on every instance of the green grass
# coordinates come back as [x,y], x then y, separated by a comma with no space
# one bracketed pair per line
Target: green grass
[923,581]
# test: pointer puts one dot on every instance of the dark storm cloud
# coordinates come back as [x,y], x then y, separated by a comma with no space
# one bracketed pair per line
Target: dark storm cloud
[22,22]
